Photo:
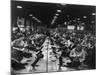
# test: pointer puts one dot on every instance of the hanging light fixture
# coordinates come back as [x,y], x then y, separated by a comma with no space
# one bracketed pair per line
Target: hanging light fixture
[19,7]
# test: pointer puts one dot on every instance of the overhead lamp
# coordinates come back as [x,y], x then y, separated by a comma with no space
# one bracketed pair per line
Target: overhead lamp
[57,14]
[58,10]
[63,4]
[84,16]
[33,17]
[92,21]
[30,15]
[65,23]
[68,16]
[93,13]
[19,7]
[78,18]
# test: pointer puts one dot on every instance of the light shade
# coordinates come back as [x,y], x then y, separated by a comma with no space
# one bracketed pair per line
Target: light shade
[33,17]
[93,13]
[30,15]
[78,18]
[57,14]
[63,4]
[84,16]
[58,10]
[19,7]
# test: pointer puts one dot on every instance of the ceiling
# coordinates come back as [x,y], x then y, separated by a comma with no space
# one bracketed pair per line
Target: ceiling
[45,12]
